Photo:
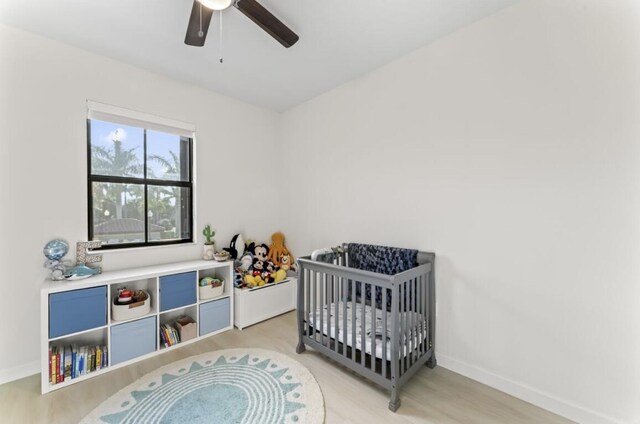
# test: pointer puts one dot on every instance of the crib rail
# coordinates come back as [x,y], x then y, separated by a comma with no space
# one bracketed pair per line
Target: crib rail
[392,357]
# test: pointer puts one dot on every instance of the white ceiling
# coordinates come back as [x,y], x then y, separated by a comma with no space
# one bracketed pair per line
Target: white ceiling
[339,39]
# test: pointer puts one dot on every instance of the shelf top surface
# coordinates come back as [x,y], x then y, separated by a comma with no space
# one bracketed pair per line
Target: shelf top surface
[111,277]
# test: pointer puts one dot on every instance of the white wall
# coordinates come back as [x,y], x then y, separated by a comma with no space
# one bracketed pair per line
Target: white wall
[511,149]
[44,86]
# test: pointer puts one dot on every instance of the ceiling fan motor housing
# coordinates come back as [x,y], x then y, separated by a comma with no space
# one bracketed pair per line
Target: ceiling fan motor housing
[216,4]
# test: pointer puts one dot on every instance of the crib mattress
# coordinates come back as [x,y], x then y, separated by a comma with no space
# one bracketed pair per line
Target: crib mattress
[414,320]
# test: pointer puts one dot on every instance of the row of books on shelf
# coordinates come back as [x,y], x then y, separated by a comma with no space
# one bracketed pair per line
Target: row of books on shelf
[72,361]
[169,335]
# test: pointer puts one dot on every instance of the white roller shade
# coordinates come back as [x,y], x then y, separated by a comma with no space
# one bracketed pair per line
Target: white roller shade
[119,115]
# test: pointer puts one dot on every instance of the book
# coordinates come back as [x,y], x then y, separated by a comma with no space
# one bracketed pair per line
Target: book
[73,362]
[176,335]
[54,365]
[60,366]
[67,362]
[98,358]
[76,364]
[165,335]
[81,361]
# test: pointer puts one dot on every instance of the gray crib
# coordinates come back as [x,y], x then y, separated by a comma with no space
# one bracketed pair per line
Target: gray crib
[380,326]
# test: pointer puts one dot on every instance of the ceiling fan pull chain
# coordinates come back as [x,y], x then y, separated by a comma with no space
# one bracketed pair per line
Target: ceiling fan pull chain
[200,33]
[221,59]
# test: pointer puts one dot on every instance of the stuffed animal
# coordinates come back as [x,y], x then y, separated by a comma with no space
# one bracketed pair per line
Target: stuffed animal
[258,266]
[271,267]
[260,251]
[246,262]
[267,277]
[253,281]
[250,280]
[277,248]
[280,275]
[287,263]
[236,247]
[238,279]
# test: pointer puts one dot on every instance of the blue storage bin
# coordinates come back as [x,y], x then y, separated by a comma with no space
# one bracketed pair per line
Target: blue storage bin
[177,290]
[214,316]
[77,310]
[133,339]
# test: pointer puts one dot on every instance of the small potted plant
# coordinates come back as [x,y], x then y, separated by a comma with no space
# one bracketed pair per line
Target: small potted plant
[209,245]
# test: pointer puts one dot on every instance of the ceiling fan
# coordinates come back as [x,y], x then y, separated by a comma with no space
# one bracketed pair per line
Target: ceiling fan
[202,11]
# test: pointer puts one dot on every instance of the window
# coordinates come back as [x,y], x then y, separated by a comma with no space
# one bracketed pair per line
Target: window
[140,181]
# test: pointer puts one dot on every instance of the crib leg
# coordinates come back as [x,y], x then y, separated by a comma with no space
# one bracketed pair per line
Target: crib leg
[431,362]
[300,348]
[394,403]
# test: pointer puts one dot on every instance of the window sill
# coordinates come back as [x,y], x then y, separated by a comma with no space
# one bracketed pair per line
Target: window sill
[142,248]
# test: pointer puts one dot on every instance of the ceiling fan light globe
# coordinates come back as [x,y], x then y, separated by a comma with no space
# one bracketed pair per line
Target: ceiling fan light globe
[216,4]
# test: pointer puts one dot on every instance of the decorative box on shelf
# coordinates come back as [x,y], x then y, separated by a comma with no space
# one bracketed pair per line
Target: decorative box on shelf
[186,326]
[211,287]
[257,304]
[123,312]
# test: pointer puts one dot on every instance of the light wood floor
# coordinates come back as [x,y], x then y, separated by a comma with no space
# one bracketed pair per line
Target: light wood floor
[432,396]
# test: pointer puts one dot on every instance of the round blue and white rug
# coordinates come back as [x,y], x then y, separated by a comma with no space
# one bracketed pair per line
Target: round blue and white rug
[227,386]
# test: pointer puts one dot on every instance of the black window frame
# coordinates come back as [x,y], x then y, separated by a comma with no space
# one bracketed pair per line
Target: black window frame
[146,182]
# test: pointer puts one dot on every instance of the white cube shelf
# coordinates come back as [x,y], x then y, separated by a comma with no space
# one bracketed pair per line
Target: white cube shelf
[79,312]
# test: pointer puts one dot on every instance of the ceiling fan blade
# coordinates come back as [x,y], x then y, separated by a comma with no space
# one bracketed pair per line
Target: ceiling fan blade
[193,37]
[265,20]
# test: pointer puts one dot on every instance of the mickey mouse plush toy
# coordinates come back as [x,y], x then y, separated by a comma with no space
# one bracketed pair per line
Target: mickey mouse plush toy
[260,251]
[258,267]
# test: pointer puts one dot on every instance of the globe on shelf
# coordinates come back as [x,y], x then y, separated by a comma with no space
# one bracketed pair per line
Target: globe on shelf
[56,249]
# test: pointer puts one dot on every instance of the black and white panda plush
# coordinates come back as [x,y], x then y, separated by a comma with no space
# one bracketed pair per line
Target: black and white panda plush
[236,247]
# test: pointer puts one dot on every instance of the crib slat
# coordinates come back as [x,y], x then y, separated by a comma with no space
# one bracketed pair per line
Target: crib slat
[323,312]
[414,303]
[327,283]
[421,321]
[408,313]
[373,327]
[410,324]
[427,306]
[425,314]
[394,362]
[401,339]
[430,309]
[312,294]
[344,316]
[405,347]
[384,332]
[353,320]
[363,349]
[307,284]
[416,318]
[404,327]
[336,297]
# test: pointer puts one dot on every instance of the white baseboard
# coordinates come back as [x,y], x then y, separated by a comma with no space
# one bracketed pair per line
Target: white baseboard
[536,397]
[21,371]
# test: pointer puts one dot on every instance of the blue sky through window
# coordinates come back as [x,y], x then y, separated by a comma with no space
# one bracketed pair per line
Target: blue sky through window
[159,145]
